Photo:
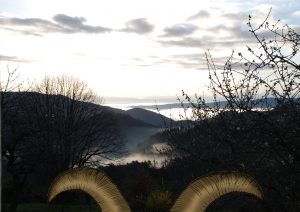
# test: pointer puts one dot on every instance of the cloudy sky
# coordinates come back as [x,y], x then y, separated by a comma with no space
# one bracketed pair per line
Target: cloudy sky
[133,49]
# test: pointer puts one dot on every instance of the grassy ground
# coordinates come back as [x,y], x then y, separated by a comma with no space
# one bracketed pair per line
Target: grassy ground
[40,207]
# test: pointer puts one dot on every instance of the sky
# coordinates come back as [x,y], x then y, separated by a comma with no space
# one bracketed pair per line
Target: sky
[133,50]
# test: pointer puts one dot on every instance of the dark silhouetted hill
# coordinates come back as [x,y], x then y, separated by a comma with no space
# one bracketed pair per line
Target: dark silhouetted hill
[149,117]
[120,116]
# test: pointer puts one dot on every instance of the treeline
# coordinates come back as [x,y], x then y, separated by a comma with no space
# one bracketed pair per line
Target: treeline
[54,127]
[241,135]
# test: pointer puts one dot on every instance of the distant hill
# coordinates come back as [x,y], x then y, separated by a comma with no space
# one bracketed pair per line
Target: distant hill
[120,116]
[149,117]
[124,119]
[135,126]
[269,102]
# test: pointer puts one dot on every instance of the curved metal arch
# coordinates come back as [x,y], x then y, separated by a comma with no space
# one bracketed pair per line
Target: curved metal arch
[93,182]
[204,190]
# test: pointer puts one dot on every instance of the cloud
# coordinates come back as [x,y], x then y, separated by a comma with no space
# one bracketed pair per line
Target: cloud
[62,24]
[180,30]
[180,61]
[219,36]
[139,26]
[206,42]
[235,31]
[194,57]
[196,61]
[25,22]
[296,13]
[33,26]
[76,24]
[13,59]
[185,42]
[200,14]
[235,16]
[297,28]
[22,31]
[68,20]
[65,24]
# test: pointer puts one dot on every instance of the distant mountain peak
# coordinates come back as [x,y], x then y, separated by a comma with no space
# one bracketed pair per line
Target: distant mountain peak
[149,117]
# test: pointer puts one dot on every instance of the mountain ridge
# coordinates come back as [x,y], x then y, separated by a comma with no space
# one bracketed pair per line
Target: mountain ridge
[124,118]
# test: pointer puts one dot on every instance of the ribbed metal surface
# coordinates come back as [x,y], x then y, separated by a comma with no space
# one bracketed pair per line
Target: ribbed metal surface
[203,191]
[93,182]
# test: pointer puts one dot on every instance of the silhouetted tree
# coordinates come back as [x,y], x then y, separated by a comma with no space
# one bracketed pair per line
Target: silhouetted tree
[84,134]
[256,129]
[56,126]
[14,130]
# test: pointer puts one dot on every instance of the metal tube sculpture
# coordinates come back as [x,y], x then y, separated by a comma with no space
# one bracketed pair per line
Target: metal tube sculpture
[203,191]
[93,182]
[195,198]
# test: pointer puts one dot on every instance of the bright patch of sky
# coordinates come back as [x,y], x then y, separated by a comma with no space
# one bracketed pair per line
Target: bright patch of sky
[129,49]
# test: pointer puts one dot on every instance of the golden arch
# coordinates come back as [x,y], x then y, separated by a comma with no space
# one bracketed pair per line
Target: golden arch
[203,191]
[93,182]
[195,198]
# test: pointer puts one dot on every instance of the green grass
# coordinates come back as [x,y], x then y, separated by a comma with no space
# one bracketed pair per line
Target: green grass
[40,207]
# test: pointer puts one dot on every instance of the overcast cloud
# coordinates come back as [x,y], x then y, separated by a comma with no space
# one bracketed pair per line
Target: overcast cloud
[139,26]
[99,40]
[62,24]
[200,14]
[180,30]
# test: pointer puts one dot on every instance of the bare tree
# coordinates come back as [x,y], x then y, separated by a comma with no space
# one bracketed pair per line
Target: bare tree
[15,164]
[75,129]
[256,129]
[9,84]
[54,127]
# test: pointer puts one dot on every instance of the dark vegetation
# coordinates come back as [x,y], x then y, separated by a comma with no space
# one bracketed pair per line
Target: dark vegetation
[238,136]
[59,127]
[55,128]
